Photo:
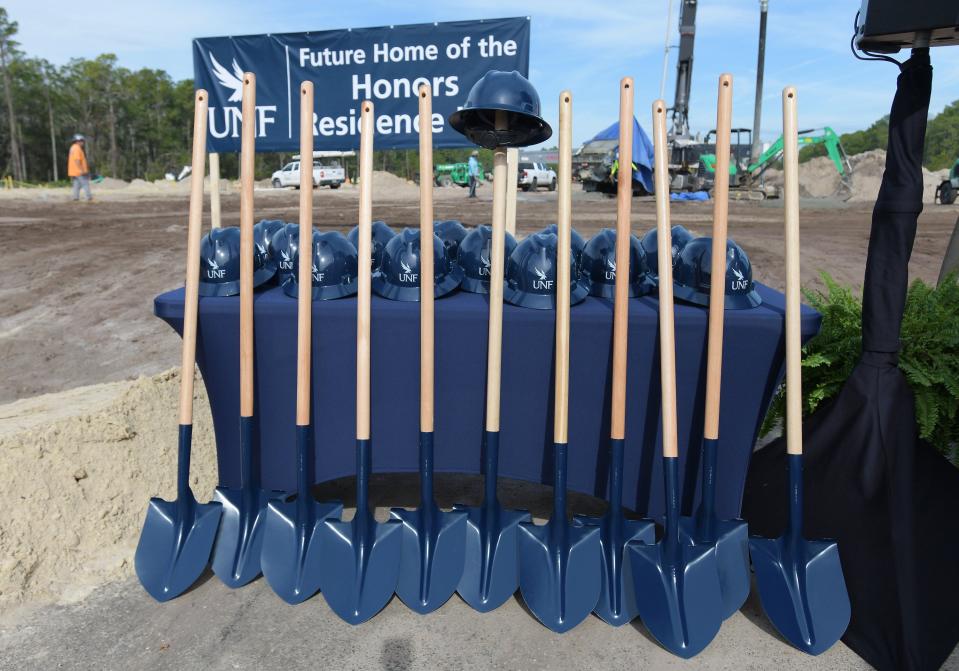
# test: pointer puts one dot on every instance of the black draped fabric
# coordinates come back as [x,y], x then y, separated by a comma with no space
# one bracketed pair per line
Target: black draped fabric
[890,499]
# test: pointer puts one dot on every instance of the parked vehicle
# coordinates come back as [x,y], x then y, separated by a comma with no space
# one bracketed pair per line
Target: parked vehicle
[531,176]
[331,175]
[946,191]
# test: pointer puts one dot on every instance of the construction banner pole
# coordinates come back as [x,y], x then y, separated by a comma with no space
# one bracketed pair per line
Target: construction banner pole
[214,190]
[760,66]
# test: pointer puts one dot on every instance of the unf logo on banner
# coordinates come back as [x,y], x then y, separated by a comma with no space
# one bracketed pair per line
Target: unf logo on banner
[386,65]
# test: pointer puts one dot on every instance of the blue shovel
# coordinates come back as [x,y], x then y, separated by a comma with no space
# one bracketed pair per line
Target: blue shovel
[434,541]
[560,565]
[291,546]
[730,536]
[360,559]
[801,585]
[177,537]
[677,584]
[491,566]
[617,599]
[236,555]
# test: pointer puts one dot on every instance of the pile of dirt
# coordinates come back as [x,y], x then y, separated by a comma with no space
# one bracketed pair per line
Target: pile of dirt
[111,184]
[818,178]
[73,518]
[388,185]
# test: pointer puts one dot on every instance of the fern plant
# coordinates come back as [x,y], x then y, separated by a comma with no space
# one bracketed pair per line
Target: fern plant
[929,358]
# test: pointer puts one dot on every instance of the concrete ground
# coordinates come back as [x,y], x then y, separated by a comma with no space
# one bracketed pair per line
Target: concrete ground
[213,627]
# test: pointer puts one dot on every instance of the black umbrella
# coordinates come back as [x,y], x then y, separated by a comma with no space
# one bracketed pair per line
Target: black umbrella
[889,498]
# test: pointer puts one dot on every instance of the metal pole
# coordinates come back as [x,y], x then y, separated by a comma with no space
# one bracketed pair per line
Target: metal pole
[669,20]
[760,64]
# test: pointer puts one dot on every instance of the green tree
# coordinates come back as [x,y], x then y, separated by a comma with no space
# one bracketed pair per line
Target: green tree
[8,54]
[942,138]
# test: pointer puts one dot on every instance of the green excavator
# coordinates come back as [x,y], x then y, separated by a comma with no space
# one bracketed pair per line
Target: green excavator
[744,176]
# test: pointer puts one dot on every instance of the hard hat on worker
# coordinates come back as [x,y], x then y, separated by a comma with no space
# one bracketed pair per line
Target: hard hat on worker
[531,274]
[77,137]
[501,91]
[220,263]
[598,266]
[398,277]
[333,268]
[692,275]
[474,258]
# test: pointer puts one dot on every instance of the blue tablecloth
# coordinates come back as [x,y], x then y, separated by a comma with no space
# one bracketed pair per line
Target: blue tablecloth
[752,366]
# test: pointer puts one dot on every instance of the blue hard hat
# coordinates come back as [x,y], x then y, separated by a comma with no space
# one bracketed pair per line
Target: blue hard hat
[334,268]
[576,242]
[380,233]
[451,232]
[220,263]
[508,92]
[598,266]
[531,274]
[398,277]
[263,240]
[679,236]
[473,257]
[283,248]
[692,275]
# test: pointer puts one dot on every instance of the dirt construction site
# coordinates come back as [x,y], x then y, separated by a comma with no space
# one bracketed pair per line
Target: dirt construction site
[88,418]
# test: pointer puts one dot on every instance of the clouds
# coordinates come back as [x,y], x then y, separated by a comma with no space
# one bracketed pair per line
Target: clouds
[578,45]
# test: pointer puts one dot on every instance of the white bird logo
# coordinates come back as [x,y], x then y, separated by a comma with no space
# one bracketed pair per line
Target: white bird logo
[484,259]
[541,274]
[406,268]
[260,249]
[316,271]
[213,264]
[612,264]
[285,255]
[232,81]
[738,273]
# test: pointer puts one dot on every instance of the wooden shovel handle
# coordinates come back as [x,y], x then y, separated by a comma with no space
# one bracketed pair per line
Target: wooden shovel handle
[564,217]
[192,293]
[426,260]
[512,172]
[624,201]
[494,351]
[304,302]
[793,336]
[364,276]
[667,339]
[247,162]
[717,289]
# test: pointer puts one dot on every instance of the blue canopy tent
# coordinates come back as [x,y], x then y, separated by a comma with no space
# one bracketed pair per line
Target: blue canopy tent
[642,152]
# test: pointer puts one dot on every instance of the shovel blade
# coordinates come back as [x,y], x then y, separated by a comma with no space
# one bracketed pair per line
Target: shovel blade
[802,590]
[617,597]
[678,599]
[560,582]
[175,546]
[731,538]
[431,560]
[491,564]
[360,564]
[239,540]
[290,556]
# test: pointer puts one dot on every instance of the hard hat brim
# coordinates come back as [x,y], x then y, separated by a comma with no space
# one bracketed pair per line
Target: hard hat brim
[260,276]
[525,299]
[326,293]
[732,302]
[394,292]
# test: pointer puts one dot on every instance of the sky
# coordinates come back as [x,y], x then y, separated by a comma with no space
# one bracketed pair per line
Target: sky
[584,46]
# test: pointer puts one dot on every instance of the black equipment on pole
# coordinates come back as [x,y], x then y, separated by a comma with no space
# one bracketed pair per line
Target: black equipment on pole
[886,26]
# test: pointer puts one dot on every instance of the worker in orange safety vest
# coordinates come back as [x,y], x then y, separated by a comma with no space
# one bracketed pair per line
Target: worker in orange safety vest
[78,169]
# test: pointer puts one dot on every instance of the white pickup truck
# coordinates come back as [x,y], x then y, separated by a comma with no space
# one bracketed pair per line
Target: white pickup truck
[323,175]
[531,176]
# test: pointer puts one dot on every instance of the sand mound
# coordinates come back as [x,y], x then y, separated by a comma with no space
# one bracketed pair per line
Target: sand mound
[388,185]
[73,516]
[111,184]
[818,178]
